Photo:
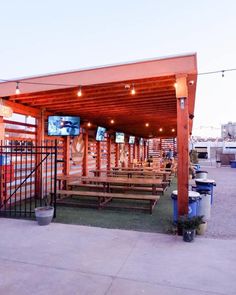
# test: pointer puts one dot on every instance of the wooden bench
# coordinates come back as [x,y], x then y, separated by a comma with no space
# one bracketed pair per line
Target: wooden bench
[121,187]
[105,198]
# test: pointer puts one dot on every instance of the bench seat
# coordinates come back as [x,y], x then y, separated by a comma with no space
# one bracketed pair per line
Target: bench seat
[121,187]
[105,198]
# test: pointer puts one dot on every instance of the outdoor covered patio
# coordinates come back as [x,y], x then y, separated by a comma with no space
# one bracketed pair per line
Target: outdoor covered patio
[146,99]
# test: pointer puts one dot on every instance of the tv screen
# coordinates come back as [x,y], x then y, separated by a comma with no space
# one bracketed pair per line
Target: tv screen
[131,139]
[120,137]
[100,135]
[141,141]
[63,125]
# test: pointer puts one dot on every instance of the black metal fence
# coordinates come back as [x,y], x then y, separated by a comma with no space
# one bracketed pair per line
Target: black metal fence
[28,175]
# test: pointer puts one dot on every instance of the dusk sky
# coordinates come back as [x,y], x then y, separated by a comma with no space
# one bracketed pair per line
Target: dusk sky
[39,37]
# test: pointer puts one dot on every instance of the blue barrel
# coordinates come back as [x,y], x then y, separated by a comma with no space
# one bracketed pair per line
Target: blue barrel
[197,167]
[205,185]
[193,205]
[233,163]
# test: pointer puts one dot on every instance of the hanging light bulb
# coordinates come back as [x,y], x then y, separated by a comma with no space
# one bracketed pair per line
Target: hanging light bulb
[133,90]
[79,93]
[17,88]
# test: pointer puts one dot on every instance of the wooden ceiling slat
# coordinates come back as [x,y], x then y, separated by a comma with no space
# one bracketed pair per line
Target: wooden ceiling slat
[101,95]
[154,102]
[151,100]
[142,83]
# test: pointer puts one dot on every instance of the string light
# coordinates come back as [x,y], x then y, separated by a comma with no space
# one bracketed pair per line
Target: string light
[89,124]
[112,121]
[79,93]
[133,90]
[17,88]
[173,130]
[147,124]
[160,129]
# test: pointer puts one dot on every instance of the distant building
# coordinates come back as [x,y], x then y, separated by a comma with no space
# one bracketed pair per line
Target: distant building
[228,131]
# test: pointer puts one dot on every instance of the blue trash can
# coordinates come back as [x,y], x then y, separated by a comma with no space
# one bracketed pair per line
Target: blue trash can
[197,167]
[233,163]
[193,207]
[205,184]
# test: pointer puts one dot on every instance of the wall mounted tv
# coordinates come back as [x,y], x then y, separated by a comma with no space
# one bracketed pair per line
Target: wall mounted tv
[141,141]
[131,139]
[100,134]
[120,137]
[63,125]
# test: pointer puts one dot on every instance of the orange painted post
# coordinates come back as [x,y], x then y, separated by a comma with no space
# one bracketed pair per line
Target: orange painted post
[182,143]
[108,153]
[134,148]
[39,141]
[138,152]
[117,155]
[85,158]
[2,129]
[2,135]
[66,155]
[98,162]
[129,155]
[145,150]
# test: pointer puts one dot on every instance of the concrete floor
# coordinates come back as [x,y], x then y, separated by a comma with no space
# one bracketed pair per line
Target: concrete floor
[71,259]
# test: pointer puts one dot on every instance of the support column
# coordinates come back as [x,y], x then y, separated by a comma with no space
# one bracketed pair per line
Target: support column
[2,129]
[66,155]
[85,158]
[39,142]
[138,152]
[109,153]
[2,136]
[145,150]
[117,157]
[98,162]
[134,148]
[129,156]
[182,143]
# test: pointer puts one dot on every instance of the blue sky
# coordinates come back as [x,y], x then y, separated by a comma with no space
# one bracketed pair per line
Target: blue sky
[39,37]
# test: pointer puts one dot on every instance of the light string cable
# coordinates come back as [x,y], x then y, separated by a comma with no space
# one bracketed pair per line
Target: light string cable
[76,85]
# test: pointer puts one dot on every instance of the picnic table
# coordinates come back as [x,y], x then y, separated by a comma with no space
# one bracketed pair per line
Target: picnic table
[126,182]
[130,173]
[105,197]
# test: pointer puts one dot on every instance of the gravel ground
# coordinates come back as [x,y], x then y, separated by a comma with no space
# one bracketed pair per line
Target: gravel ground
[223,213]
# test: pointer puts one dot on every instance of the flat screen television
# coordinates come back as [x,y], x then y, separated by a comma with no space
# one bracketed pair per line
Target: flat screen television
[100,134]
[131,139]
[63,125]
[120,137]
[141,141]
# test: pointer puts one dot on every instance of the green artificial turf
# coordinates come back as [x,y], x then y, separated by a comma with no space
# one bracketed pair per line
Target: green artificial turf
[160,221]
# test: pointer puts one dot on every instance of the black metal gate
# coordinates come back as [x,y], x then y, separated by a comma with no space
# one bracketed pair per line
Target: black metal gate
[28,175]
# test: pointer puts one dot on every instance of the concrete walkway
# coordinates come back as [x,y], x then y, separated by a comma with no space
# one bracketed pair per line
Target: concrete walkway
[70,259]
